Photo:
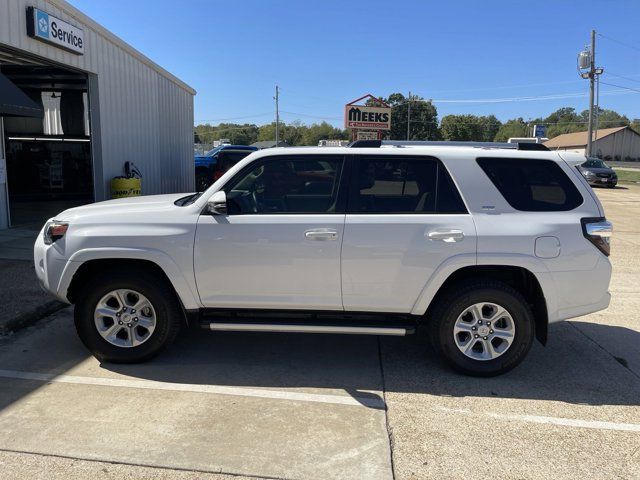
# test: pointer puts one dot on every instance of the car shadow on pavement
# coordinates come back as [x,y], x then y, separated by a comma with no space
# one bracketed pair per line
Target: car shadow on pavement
[571,368]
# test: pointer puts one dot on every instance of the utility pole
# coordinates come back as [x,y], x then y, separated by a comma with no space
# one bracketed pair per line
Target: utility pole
[592,78]
[277,117]
[409,118]
[587,69]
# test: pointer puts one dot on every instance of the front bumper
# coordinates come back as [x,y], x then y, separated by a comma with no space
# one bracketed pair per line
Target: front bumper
[49,264]
[602,182]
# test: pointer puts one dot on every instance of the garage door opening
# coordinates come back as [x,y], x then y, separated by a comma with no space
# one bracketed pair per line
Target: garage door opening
[48,160]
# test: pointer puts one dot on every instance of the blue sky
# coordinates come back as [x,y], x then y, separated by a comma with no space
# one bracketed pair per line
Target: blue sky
[324,54]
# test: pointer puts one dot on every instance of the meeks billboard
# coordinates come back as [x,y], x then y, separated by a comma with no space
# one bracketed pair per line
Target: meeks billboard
[362,116]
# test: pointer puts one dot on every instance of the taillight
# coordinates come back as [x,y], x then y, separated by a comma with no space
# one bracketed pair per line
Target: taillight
[598,231]
[54,230]
[217,175]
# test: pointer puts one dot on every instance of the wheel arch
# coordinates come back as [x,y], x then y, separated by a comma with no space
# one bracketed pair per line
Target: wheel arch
[518,277]
[87,262]
[91,267]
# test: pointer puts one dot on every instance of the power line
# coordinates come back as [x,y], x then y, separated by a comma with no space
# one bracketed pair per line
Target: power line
[623,77]
[313,116]
[235,118]
[523,99]
[628,45]
[621,86]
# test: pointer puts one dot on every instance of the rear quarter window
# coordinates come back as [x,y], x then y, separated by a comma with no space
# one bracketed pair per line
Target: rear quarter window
[532,185]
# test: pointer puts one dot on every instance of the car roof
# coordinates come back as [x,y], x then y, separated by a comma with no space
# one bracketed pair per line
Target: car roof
[421,150]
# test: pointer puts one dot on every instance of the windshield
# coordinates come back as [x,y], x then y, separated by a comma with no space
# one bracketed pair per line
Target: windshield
[595,163]
[213,151]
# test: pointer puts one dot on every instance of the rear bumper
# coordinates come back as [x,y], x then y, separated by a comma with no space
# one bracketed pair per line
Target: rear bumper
[573,312]
[581,292]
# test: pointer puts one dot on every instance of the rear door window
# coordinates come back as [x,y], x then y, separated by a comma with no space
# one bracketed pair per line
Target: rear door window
[388,184]
[532,185]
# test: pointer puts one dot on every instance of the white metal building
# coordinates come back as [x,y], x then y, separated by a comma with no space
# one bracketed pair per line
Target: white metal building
[76,103]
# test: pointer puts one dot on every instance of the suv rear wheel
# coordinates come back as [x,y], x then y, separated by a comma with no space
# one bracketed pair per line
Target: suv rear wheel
[482,328]
[125,318]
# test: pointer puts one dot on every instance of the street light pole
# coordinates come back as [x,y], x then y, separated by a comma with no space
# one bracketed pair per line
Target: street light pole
[592,78]
[277,117]
[409,117]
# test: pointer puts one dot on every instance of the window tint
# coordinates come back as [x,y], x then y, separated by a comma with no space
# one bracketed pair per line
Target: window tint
[532,185]
[385,184]
[227,159]
[286,184]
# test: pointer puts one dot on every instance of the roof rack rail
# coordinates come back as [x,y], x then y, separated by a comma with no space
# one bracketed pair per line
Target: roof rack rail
[407,143]
[365,144]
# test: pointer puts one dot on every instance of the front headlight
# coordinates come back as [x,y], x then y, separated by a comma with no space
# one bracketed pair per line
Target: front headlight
[587,173]
[54,230]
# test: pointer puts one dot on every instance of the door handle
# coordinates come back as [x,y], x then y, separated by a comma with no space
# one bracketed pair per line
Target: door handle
[448,236]
[321,234]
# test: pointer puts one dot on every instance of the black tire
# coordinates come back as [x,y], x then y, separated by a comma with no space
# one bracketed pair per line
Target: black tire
[611,186]
[161,295]
[442,319]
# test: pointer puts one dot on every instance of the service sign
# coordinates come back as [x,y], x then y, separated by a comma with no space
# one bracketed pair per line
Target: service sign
[358,116]
[47,28]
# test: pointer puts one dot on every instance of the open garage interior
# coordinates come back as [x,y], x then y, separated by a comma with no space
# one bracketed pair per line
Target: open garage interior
[48,157]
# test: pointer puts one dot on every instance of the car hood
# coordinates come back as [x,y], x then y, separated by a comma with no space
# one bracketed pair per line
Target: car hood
[141,204]
[598,170]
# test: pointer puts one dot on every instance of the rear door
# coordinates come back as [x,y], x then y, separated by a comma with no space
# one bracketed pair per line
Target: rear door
[405,217]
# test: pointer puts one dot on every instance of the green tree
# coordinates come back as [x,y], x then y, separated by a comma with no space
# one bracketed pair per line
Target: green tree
[322,131]
[236,133]
[512,128]
[607,118]
[268,131]
[469,128]
[563,120]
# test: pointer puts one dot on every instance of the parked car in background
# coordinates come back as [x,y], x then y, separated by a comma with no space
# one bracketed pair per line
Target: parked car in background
[213,164]
[598,173]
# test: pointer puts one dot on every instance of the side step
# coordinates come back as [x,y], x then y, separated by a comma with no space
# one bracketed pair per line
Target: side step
[290,321]
[302,328]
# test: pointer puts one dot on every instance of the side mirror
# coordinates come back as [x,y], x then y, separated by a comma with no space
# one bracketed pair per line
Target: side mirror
[217,204]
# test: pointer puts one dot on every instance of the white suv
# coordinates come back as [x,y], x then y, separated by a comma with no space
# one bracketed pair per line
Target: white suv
[483,246]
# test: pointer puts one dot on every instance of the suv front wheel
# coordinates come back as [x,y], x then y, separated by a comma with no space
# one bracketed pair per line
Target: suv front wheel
[482,328]
[127,317]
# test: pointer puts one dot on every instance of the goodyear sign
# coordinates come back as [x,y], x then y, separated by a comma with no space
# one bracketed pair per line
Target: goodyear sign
[47,28]
[361,116]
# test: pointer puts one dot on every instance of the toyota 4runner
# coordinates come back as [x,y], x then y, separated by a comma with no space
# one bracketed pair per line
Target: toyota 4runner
[481,245]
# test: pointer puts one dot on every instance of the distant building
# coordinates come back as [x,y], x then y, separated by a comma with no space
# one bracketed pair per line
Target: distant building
[619,143]
[269,144]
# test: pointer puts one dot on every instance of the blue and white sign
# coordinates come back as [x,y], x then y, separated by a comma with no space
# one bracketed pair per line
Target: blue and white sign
[539,131]
[44,26]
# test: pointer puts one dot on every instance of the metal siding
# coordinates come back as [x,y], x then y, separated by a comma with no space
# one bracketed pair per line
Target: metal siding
[145,116]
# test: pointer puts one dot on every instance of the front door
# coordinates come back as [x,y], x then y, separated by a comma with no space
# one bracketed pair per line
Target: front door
[405,218]
[279,245]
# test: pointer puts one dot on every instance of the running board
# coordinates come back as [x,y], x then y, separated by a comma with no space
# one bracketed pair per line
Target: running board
[305,328]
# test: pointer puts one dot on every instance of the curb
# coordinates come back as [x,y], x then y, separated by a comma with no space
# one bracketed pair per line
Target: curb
[30,318]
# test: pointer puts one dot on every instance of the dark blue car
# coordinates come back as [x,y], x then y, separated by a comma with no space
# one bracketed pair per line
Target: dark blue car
[213,164]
